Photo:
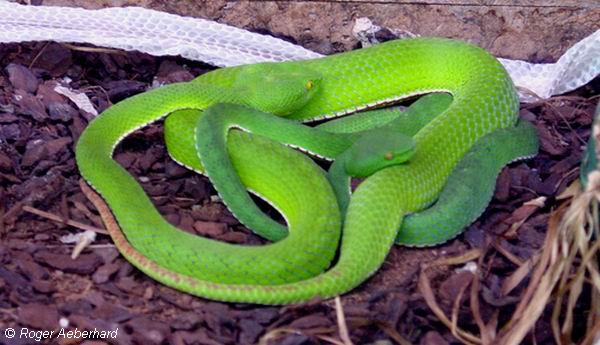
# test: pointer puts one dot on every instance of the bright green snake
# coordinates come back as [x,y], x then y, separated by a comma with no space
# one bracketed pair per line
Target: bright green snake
[297,267]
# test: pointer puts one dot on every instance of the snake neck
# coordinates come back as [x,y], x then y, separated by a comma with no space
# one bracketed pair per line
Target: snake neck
[396,70]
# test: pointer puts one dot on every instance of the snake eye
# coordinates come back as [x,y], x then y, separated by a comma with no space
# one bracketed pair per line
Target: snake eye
[388,156]
[309,85]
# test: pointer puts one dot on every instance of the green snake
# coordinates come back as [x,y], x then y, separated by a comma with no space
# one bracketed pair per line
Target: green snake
[296,268]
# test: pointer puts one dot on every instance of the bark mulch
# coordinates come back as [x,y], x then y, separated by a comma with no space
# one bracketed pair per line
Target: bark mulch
[42,288]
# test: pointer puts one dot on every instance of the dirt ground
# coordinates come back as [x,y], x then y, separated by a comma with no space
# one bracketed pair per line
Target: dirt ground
[42,287]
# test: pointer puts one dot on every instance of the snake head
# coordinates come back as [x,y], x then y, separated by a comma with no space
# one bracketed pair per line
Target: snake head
[376,150]
[277,88]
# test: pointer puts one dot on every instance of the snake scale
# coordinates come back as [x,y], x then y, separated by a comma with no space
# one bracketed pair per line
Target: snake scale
[298,267]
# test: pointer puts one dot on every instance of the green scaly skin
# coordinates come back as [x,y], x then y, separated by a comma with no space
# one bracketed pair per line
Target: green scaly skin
[484,100]
[589,162]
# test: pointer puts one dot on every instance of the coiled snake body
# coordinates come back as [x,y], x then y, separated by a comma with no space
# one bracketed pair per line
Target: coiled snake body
[291,269]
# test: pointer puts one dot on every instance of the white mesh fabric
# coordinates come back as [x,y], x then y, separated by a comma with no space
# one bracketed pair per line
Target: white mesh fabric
[576,67]
[152,32]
